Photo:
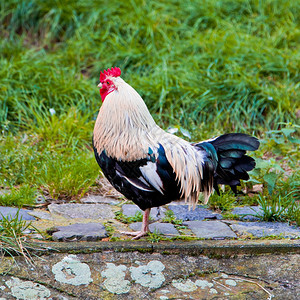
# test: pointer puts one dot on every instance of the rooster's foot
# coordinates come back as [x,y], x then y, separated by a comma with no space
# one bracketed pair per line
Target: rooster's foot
[136,234]
[145,227]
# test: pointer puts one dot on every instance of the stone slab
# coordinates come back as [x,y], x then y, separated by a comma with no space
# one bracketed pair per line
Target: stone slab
[248,213]
[40,214]
[82,211]
[129,210]
[264,229]
[182,212]
[99,199]
[163,228]
[144,275]
[210,229]
[11,212]
[80,232]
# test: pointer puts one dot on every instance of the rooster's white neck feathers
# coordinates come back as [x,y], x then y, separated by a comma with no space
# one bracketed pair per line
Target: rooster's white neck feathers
[125,130]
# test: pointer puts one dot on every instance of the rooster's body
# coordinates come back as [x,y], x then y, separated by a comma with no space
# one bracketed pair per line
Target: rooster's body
[152,167]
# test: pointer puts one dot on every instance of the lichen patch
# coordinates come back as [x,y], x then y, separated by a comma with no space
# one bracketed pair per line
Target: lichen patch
[203,284]
[27,290]
[71,271]
[149,275]
[184,286]
[115,282]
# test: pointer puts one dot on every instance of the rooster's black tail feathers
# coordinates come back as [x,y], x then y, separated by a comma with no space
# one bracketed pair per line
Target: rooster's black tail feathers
[229,158]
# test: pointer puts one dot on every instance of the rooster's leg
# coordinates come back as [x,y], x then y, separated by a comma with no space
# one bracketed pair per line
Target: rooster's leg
[145,227]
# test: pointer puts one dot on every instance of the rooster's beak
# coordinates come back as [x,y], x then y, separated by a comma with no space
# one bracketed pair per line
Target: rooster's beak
[99,85]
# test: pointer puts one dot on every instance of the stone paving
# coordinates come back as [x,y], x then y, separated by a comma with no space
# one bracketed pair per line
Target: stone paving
[95,218]
[232,259]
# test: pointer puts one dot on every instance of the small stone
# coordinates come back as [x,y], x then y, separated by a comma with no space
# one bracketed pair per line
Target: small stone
[264,229]
[210,229]
[248,213]
[82,211]
[99,199]
[162,228]
[130,210]
[80,232]
[11,212]
[182,212]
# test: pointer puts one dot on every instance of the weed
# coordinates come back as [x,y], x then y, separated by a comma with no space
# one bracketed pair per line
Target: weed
[12,239]
[278,208]
[109,228]
[138,217]
[156,236]
[224,202]
[170,218]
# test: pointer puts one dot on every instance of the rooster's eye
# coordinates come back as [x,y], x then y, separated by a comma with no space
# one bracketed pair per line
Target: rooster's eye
[107,82]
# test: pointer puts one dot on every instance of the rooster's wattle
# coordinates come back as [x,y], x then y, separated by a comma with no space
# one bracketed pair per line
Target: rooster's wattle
[152,167]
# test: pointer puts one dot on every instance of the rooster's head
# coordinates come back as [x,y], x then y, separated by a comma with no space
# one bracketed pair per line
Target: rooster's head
[107,81]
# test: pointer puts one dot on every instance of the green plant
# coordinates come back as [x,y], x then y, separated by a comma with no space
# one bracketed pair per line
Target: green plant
[12,238]
[65,176]
[109,228]
[23,195]
[156,236]
[170,218]
[224,202]
[274,207]
[138,217]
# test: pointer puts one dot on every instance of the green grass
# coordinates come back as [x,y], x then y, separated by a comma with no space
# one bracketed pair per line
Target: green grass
[13,241]
[208,67]
[25,195]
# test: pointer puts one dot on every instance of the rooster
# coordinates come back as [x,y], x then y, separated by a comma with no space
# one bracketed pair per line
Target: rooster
[152,167]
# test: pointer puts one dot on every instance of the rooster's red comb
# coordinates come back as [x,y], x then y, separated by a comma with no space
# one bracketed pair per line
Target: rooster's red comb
[114,72]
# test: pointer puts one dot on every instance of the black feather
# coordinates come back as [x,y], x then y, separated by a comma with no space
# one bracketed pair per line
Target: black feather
[237,141]
[228,153]
[127,178]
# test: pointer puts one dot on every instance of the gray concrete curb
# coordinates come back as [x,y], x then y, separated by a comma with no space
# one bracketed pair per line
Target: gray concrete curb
[224,248]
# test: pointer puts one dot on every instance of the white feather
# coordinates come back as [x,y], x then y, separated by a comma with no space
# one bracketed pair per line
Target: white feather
[143,188]
[149,171]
